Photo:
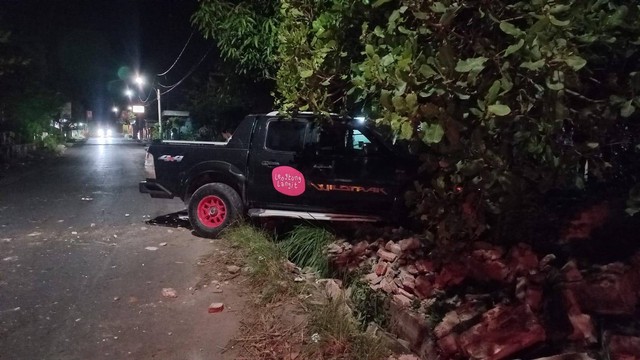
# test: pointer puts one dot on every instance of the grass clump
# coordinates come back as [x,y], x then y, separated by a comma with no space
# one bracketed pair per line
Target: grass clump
[335,335]
[306,246]
[265,260]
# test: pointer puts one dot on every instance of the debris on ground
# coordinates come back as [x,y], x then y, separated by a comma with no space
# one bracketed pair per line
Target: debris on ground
[169,293]
[487,301]
[216,308]
[233,269]
[151,248]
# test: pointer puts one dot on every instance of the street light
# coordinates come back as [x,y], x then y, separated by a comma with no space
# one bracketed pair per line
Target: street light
[129,93]
[140,81]
[114,109]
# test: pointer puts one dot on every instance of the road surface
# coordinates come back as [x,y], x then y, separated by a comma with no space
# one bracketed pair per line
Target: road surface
[81,272]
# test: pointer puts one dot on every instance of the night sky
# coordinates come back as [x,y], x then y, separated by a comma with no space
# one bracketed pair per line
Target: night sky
[83,44]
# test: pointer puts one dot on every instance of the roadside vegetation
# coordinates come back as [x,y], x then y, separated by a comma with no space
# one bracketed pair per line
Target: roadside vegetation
[293,315]
[306,246]
[506,103]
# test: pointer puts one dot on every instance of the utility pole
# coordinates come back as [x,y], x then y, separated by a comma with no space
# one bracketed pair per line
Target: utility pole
[159,113]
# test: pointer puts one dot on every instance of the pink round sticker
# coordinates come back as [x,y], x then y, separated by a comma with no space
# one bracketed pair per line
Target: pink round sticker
[287,180]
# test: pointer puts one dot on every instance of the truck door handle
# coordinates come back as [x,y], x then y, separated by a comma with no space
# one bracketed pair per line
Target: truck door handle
[270,163]
[323,167]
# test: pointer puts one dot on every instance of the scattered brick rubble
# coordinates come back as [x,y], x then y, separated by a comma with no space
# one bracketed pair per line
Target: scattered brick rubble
[494,303]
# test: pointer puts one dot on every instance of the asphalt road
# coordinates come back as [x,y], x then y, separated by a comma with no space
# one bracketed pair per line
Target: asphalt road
[76,279]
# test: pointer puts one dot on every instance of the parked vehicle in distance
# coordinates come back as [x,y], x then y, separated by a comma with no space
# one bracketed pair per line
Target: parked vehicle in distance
[336,169]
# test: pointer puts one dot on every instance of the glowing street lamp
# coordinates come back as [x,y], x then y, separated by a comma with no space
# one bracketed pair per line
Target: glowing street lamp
[114,109]
[129,93]
[139,80]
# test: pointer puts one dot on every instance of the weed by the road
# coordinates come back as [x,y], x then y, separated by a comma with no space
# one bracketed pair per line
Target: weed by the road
[278,329]
[369,305]
[265,260]
[335,335]
[306,246]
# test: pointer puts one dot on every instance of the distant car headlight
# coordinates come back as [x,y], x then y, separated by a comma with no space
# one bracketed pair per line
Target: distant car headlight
[100,132]
[109,133]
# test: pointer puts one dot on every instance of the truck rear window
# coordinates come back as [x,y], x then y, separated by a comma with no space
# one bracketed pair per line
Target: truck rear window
[285,135]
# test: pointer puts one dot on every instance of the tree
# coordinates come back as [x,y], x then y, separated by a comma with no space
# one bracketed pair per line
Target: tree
[9,61]
[221,100]
[511,99]
[244,31]
[26,104]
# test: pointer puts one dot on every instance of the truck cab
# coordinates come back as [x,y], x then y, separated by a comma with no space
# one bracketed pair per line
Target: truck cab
[329,168]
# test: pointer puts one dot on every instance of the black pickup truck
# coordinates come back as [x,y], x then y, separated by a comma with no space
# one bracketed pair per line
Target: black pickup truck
[336,169]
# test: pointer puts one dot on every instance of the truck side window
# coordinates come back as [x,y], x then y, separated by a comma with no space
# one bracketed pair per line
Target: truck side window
[285,135]
[339,139]
[360,142]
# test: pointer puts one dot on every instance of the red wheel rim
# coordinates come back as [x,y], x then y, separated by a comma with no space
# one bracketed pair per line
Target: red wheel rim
[211,211]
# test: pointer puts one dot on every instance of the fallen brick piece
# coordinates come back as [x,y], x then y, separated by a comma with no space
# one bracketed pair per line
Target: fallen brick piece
[169,293]
[504,331]
[409,244]
[216,308]
[624,347]
[386,255]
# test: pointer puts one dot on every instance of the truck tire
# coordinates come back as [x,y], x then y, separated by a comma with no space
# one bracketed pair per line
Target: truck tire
[212,208]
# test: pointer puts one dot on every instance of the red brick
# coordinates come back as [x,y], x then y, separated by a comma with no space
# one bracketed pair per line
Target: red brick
[373,278]
[381,268]
[386,255]
[449,345]
[406,293]
[522,260]
[582,324]
[609,292]
[455,317]
[624,347]
[411,269]
[388,285]
[409,244]
[450,275]
[402,300]
[571,272]
[360,248]
[408,325]
[424,266]
[216,308]
[423,287]
[503,331]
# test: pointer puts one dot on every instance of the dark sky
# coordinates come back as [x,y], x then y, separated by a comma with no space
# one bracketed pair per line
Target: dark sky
[83,43]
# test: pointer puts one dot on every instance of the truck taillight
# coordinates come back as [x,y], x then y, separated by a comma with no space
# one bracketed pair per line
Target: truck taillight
[149,166]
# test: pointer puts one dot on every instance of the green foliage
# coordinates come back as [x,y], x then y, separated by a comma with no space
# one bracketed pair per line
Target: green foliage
[244,31]
[306,247]
[9,60]
[511,99]
[498,91]
[50,143]
[316,46]
[32,112]
[265,260]
[338,336]
[368,305]
[224,97]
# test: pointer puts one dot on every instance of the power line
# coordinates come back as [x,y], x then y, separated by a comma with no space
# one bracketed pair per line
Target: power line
[179,56]
[188,74]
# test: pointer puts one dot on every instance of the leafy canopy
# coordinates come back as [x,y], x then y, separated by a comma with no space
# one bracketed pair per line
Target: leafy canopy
[510,99]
